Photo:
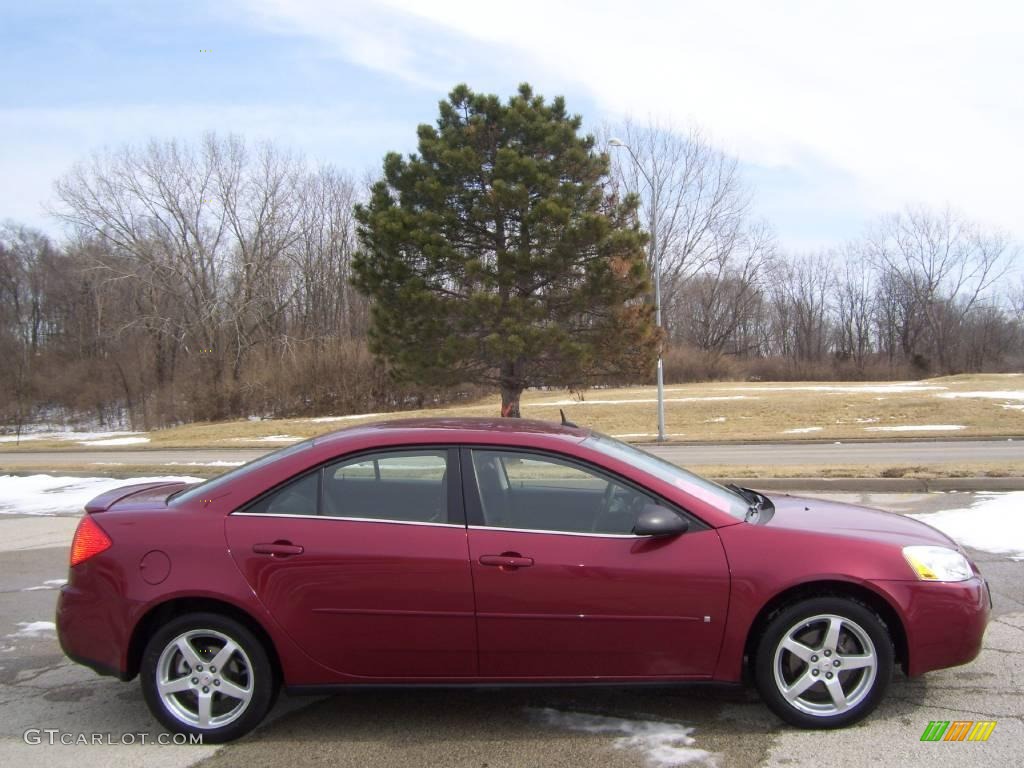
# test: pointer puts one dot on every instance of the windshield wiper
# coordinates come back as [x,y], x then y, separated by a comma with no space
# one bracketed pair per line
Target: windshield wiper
[753,506]
[749,496]
[763,502]
[758,502]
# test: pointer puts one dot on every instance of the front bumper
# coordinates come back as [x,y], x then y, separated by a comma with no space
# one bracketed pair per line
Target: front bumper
[944,621]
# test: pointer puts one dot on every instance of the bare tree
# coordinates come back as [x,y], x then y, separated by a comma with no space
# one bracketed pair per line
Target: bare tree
[800,291]
[202,235]
[1016,297]
[326,302]
[944,266]
[23,253]
[695,195]
[854,304]
[721,298]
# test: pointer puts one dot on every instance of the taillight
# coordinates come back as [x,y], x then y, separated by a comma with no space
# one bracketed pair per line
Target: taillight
[89,540]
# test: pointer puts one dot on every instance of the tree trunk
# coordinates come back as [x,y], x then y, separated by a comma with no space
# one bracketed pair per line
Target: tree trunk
[511,388]
[127,394]
[510,401]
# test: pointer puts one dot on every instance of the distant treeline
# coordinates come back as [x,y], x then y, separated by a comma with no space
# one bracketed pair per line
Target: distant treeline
[212,281]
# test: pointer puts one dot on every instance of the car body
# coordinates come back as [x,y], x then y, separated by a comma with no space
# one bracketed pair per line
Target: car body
[475,551]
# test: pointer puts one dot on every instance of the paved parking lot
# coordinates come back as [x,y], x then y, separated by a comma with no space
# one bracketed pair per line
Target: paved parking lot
[696,725]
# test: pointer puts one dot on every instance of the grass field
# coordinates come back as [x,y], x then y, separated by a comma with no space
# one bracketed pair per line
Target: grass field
[989,405]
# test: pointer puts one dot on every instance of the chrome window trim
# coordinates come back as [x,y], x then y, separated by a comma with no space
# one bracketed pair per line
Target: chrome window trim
[559,533]
[348,519]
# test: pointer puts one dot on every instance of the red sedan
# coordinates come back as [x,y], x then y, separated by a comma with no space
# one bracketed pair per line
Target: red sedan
[461,551]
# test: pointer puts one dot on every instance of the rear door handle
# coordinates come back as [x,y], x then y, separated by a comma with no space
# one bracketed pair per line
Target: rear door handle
[507,561]
[278,549]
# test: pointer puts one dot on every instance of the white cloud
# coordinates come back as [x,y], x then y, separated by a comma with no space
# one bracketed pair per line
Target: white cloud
[913,101]
[366,34]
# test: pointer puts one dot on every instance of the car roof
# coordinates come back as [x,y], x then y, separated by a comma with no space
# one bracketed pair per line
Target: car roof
[455,429]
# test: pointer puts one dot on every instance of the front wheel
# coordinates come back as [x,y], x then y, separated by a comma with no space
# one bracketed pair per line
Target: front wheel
[207,674]
[824,662]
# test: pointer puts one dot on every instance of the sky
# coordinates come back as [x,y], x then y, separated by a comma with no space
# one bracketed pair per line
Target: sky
[838,112]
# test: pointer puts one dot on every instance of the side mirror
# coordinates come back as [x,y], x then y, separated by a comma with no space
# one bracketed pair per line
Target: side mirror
[656,520]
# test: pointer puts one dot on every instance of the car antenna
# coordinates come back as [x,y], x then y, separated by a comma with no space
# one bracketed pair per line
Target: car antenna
[565,421]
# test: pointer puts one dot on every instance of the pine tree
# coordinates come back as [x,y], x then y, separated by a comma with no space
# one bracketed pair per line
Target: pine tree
[496,255]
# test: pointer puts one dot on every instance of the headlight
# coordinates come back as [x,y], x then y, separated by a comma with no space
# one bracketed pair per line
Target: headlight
[938,564]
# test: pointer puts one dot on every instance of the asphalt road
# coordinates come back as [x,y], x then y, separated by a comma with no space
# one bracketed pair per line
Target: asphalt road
[781,454]
[40,689]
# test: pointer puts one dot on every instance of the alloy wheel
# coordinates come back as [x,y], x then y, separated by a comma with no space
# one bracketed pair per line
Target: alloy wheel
[204,679]
[825,665]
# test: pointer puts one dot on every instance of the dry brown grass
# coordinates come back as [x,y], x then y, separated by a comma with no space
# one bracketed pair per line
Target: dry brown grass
[718,411]
[919,472]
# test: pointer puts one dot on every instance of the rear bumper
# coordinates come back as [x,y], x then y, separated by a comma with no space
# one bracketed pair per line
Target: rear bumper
[97,666]
[944,622]
[90,634]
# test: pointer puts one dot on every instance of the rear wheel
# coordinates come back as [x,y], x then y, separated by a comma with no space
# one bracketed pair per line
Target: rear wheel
[207,674]
[824,663]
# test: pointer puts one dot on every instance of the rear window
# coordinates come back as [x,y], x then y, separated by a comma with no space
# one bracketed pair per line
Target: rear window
[212,485]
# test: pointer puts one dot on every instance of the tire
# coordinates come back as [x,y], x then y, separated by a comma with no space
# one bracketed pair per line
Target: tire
[189,695]
[808,651]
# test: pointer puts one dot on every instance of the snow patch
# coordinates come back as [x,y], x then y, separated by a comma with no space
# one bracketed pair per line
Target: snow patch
[895,387]
[50,495]
[328,419]
[34,629]
[204,463]
[116,441]
[48,584]
[664,744]
[917,428]
[1005,394]
[64,435]
[801,430]
[716,420]
[264,439]
[994,523]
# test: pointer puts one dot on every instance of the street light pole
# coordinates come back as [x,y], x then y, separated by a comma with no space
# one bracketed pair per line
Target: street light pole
[656,261]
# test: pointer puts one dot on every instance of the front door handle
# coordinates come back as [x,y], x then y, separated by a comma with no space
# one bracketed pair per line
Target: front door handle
[278,549]
[507,561]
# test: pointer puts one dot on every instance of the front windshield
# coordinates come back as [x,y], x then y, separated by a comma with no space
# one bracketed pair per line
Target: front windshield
[712,493]
[213,484]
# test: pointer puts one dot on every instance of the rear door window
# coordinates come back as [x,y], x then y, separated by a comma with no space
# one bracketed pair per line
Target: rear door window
[296,497]
[403,486]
